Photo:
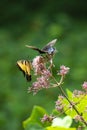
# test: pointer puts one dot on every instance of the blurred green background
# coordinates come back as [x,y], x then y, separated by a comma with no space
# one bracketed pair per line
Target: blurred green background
[36,23]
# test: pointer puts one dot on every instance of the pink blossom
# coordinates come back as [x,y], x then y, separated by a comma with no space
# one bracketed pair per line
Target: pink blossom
[85,85]
[59,105]
[38,65]
[77,93]
[47,73]
[78,118]
[37,60]
[43,74]
[63,70]
[41,82]
[47,118]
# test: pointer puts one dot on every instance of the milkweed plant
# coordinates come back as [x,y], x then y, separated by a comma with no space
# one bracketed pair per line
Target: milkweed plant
[70,110]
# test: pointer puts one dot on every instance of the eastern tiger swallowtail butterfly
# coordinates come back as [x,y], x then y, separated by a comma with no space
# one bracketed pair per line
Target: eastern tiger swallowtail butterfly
[25,66]
[49,49]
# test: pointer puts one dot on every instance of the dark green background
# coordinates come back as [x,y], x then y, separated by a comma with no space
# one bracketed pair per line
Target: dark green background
[36,23]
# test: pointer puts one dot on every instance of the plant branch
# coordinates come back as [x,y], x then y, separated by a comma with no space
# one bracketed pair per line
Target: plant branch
[58,84]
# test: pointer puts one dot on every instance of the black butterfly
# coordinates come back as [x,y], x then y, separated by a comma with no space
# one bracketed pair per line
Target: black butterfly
[49,49]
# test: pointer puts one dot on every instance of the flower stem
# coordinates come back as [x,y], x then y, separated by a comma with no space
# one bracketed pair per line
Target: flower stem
[64,94]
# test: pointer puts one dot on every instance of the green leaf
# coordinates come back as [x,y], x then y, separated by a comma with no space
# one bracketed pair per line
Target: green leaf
[69,93]
[34,127]
[34,119]
[65,122]
[80,103]
[85,128]
[59,128]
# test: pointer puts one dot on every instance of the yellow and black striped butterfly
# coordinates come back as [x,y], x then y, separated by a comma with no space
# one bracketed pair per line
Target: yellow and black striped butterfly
[49,49]
[25,66]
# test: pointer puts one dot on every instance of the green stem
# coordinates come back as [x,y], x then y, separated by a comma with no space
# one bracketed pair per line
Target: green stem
[64,94]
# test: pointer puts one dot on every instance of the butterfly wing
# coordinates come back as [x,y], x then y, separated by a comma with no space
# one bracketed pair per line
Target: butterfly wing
[25,67]
[28,69]
[35,48]
[49,47]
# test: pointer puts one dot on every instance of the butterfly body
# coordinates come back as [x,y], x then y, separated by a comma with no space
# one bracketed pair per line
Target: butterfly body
[25,66]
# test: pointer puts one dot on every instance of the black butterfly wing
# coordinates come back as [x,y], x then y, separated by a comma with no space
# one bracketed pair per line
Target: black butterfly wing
[35,48]
[28,77]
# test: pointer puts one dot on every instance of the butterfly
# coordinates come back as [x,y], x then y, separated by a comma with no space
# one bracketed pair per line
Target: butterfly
[25,66]
[49,50]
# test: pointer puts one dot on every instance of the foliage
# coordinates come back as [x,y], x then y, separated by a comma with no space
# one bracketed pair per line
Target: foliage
[34,119]
[36,23]
[33,122]
[74,105]
[79,101]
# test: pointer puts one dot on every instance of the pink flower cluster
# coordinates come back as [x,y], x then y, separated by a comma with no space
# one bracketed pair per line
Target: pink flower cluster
[38,65]
[47,118]
[59,105]
[43,73]
[77,118]
[63,70]
[84,86]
